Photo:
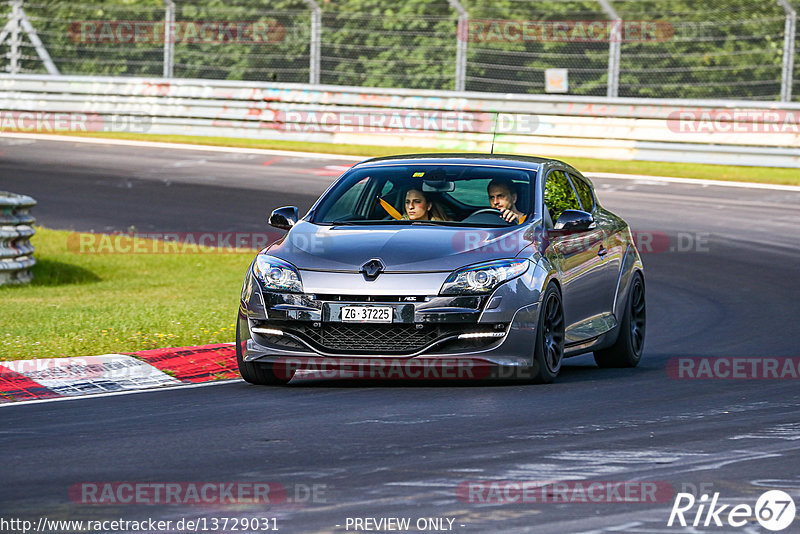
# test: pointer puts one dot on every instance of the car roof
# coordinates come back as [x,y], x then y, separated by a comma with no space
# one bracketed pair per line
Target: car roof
[502,160]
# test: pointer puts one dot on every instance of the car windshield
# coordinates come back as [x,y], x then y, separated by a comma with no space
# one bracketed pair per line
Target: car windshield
[449,195]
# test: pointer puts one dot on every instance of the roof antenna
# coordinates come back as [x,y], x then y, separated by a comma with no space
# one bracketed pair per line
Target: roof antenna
[494,130]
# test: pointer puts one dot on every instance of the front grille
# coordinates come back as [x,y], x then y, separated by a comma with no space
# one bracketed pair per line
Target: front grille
[371,338]
[344,338]
[364,339]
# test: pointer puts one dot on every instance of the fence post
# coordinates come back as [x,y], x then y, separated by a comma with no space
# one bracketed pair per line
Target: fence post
[16,37]
[44,55]
[169,38]
[614,49]
[315,42]
[462,36]
[789,31]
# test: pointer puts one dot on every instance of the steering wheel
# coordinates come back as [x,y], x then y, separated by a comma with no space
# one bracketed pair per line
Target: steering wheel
[486,211]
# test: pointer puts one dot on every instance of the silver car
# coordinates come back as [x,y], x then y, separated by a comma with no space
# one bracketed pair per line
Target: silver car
[444,266]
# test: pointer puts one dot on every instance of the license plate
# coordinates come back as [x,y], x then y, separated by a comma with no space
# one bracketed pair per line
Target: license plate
[367,314]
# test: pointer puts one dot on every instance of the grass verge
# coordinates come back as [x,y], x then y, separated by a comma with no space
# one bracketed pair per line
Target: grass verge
[90,304]
[769,175]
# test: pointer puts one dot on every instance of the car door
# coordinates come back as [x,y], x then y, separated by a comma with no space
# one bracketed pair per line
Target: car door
[579,258]
[611,250]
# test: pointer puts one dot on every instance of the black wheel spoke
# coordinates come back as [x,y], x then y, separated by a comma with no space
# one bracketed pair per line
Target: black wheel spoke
[637,341]
[553,334]
[637,317]
[552,310]
[553,356]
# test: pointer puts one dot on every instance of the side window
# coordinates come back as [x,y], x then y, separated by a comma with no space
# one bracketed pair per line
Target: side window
[346,205]
[558,195]
[584,193]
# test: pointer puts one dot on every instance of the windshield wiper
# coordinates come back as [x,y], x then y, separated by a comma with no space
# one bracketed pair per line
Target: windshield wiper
[461,224]
[364,222]
[406,222]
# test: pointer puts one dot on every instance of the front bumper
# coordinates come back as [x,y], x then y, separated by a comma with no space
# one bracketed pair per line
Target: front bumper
[498,329]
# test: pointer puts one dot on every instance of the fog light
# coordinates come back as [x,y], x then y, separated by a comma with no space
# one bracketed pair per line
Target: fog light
[473,335]
[267,331]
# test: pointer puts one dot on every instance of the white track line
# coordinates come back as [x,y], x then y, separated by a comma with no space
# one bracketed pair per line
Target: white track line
[181,146]
[316,155]
[691,181]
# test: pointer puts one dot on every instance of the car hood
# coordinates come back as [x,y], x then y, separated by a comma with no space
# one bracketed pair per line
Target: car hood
[400,248]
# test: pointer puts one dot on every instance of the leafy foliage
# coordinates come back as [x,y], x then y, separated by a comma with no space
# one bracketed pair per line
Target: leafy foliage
[711,49]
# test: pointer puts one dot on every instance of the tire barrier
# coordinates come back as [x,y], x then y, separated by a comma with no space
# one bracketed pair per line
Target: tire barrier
[16,251]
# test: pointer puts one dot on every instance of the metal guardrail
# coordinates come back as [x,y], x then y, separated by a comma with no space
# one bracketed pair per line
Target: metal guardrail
[764,134]
[16,251]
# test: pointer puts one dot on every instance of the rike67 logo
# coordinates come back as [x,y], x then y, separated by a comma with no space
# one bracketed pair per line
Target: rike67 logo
[774,510]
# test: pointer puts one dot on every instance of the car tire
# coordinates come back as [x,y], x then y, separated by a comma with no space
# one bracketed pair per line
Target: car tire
[261,374]
[627,350]
[548,353]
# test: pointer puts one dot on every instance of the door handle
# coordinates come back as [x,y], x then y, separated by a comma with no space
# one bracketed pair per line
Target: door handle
[602,252]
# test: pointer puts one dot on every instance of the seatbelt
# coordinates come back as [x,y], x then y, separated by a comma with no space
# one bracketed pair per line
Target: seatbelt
[390,209]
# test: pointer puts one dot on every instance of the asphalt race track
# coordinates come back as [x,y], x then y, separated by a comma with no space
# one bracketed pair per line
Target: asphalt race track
[724,280]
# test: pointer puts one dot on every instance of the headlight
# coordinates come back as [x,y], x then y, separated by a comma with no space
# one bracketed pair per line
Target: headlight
[482,278]
[277,274]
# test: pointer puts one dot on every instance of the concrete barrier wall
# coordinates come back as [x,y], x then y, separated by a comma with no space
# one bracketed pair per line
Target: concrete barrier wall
[722,132]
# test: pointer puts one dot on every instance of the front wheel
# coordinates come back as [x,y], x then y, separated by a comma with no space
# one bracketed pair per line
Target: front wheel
[261,374]
[549,351]
[627,351]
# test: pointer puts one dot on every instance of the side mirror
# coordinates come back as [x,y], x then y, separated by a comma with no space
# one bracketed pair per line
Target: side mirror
[284,218]
[574,221]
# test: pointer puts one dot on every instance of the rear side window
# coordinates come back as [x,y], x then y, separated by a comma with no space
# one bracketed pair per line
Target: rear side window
[584,193]
[559,195]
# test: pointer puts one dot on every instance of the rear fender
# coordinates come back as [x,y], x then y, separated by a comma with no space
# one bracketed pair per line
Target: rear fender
[631,262]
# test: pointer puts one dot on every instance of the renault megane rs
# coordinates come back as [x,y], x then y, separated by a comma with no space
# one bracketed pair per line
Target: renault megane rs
[498,261]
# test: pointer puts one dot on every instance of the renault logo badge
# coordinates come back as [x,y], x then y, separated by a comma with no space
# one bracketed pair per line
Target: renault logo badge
[372,269]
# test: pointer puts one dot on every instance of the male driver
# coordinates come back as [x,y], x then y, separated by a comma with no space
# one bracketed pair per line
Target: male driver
[503,196]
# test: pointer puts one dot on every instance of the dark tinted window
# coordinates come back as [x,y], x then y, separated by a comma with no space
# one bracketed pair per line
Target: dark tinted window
[558,195]
[584,193]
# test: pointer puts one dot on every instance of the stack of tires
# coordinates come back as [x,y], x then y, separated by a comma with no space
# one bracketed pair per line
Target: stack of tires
[16,251]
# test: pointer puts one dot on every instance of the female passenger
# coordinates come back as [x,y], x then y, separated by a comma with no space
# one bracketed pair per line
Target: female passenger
[420,207]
